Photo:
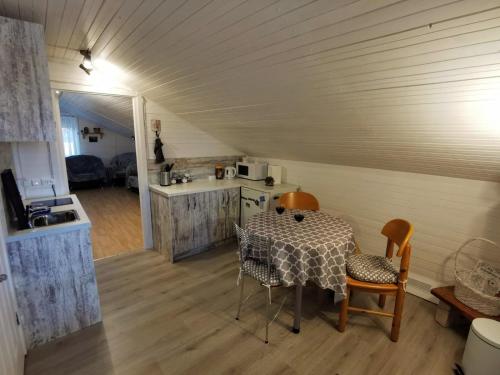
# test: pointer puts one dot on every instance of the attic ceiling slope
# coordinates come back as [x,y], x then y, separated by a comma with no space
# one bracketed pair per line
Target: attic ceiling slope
[406,85]
[113,112]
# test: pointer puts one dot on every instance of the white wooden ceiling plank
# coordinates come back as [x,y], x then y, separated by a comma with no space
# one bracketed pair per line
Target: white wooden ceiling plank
[241,27]
[387,63]
[225,72]
[325,89]
[103,17]
[124,14]
[411,38]
[179,16]
[11,9]
[81,29]
[149,7]
[235,16]
[178,35]
[307,40]
[354,73]
[425,58]
[145,30]
[39,9]
[55,11]
[26,10]
[266,17]
[67,23]
[404,25]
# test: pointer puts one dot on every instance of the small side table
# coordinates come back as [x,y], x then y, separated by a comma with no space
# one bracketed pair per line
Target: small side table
[450,310]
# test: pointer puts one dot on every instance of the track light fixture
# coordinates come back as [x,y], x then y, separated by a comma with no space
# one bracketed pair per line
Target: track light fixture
[86,64]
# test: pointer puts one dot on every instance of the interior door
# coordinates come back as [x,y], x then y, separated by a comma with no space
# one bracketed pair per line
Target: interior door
[12,348]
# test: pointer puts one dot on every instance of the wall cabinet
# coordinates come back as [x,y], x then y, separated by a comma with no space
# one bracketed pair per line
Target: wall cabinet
[25,98]
[185,225]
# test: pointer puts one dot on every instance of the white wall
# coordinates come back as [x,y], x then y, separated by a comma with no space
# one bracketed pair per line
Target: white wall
[445,211]
[180,138]
[108,146]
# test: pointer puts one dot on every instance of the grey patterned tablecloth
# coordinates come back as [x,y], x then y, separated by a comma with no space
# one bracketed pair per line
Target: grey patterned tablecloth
[314,249]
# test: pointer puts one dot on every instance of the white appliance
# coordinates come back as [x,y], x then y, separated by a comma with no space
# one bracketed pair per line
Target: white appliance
[254,201]
[230,173]
[251,171]
[482,350]
[274,171]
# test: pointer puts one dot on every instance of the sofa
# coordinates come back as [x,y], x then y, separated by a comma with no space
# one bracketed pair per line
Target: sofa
[85,170]
[119,164]
[131,179]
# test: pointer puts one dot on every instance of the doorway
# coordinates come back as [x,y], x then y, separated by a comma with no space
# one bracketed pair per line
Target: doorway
[98,139]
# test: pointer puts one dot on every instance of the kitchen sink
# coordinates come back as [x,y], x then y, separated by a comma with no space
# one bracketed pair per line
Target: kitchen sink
[54,218]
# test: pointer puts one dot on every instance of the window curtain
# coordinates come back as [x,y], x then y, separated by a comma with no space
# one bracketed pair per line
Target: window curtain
[71,135]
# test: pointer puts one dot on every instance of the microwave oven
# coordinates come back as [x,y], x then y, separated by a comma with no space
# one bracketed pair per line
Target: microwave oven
[251,171]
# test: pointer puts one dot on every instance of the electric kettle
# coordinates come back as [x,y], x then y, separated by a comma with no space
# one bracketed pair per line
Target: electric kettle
[230,173]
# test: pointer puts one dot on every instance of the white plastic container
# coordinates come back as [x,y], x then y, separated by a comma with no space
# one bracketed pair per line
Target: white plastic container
[274,171]
[482,350]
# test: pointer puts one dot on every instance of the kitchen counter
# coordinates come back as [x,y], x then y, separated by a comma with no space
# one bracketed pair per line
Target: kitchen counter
[82,222]
[204,185]
[54,277]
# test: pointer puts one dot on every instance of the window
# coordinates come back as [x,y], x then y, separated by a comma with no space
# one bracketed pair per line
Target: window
[71,135]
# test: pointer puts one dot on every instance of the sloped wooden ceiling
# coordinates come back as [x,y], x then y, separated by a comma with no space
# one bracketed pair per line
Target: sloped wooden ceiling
[114,112]
[406,85]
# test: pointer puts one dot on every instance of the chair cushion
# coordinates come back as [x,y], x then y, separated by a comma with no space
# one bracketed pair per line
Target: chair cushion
[258,270]
[372,268]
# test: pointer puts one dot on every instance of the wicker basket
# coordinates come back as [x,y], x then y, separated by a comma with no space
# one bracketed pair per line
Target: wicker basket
[470,296]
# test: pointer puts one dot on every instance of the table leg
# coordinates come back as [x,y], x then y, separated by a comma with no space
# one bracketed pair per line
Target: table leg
[298,308]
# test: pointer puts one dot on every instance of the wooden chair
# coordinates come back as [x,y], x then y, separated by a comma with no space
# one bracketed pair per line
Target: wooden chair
[398,232]
[299,200]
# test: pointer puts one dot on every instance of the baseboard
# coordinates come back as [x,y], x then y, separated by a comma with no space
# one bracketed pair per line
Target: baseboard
[421,286]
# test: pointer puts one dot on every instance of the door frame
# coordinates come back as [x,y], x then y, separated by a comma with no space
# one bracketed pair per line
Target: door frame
[21,343]
[57,149]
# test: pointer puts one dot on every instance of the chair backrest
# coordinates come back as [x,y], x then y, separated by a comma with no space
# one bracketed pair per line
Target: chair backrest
[254,247]
[399,232]
[299,200]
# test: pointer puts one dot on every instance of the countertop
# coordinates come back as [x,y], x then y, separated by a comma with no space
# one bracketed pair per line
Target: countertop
[82,222]
[203,185]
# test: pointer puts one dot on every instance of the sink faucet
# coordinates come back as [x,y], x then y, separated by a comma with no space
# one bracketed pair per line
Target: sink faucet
[37,213]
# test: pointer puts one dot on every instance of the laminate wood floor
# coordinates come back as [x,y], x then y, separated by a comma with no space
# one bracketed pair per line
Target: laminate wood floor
[162,318]
[115,214]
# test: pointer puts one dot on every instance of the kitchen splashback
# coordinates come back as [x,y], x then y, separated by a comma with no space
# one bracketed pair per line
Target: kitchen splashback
[198,167]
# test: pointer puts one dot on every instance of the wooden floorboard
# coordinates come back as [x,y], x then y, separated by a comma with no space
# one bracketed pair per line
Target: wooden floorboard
[162,318]
[115,215]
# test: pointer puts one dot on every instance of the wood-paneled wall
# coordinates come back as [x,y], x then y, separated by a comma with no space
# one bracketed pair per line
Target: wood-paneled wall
[181,138]
[445,211]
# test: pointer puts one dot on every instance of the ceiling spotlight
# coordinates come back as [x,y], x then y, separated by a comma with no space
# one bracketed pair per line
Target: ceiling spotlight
[86,64]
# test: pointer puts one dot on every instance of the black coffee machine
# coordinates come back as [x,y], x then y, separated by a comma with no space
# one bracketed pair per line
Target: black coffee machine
[14,201]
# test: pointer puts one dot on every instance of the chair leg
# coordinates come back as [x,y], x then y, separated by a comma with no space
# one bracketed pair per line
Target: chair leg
[343,311]
[242,282]
[398,314]
[381,300]
[268,313]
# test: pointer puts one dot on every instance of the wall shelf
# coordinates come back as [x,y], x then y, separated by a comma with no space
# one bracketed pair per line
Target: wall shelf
[84,135]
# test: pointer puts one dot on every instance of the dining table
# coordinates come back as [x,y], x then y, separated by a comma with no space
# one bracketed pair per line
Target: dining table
[314,249]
